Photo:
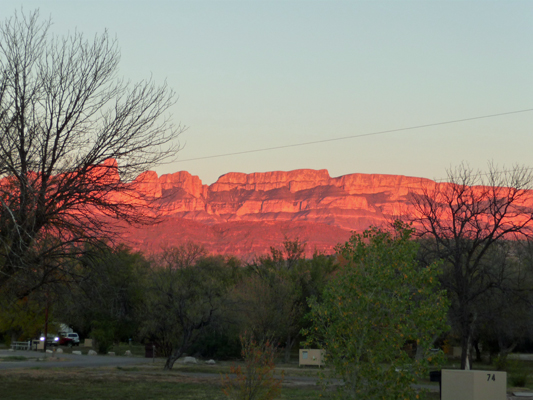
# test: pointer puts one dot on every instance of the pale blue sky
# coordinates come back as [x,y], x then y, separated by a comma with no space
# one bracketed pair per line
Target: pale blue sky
[258,73]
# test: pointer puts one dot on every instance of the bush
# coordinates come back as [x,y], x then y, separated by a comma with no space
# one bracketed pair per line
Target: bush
[501,363]
[103,334]
[518,373]
[256,381]
[518,379]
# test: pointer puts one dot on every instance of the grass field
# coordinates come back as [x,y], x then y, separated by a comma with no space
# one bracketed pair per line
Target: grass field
[133,383]
[138,383]
[150,381]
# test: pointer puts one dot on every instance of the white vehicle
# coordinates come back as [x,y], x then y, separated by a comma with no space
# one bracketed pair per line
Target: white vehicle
[70,336]
[74,336]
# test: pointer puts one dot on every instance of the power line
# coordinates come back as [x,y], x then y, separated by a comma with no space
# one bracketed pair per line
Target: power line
[357,136]
[480,174]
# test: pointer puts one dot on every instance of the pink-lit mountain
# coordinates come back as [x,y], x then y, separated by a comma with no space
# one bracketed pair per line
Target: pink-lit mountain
[245,214]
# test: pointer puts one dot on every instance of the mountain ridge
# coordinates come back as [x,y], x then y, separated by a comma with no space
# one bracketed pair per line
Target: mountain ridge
[244,214]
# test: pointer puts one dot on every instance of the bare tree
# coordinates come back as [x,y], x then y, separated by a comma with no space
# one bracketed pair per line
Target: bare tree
[464,219]
[272,301]
[183,298]
[65,122]
[270,307]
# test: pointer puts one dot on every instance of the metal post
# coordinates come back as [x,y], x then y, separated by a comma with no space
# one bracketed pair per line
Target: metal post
[46,324]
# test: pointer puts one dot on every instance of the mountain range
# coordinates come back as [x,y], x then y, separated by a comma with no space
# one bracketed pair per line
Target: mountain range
[245,214]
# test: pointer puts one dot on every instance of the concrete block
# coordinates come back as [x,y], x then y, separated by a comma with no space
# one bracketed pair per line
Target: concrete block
[473,385]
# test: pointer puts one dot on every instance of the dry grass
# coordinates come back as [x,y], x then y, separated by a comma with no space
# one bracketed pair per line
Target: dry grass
[112,383]
[147,381]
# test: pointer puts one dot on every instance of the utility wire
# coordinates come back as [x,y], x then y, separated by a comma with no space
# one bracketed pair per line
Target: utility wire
[455,121]
[480,174]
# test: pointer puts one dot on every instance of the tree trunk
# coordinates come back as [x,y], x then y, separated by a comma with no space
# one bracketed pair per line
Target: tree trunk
[420,351]
[478,351]
[46,324]
[466,341]
[173,358]
[504,351]
[288,347]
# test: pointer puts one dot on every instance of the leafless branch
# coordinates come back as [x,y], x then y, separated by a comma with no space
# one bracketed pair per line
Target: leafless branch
[72,139]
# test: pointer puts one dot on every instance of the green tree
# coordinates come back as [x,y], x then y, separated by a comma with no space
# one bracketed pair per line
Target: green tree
[185,295]
[379,300]
[270,307]
[105,304]
[23,319]
[273,298]
[504,311]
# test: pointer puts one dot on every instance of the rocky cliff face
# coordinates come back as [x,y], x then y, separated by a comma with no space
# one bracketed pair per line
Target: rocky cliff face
[245,214]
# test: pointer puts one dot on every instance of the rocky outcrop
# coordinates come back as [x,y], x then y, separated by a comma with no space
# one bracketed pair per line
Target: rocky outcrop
[245,214]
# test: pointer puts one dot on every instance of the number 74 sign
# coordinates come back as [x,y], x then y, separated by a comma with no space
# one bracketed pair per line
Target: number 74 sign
[473,385]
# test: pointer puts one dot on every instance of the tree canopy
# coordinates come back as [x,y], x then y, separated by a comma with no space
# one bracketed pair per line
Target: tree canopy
[379,302]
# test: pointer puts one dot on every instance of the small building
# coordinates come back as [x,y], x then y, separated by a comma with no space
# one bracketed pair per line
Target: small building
[312,357]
